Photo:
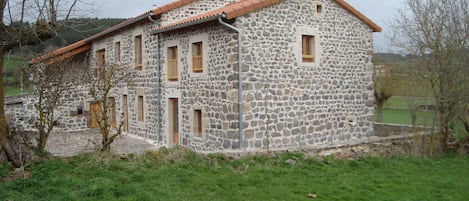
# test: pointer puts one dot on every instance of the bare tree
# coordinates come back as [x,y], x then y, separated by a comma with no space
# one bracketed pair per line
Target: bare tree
[109,77]
[50,83]
[437,33]
[26,22]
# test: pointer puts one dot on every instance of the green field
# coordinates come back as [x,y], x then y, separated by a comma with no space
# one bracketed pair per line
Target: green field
[396,110]
[11,82]
[183,175]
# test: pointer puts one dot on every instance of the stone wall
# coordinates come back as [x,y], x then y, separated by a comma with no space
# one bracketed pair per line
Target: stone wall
[143,83]
[212,91]
[21,112]
[287,103]
[293,104]
[193,9]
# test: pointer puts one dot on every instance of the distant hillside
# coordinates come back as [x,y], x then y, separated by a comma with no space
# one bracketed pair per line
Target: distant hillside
[75,29]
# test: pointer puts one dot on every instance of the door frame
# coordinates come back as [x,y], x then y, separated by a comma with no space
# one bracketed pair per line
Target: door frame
[94,115]
[125,108]
[169,117]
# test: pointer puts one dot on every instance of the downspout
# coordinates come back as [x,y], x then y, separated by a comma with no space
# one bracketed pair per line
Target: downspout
[240,79]
[158,82]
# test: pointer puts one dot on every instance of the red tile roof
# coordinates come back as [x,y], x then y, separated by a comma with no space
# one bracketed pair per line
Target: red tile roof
[242,7]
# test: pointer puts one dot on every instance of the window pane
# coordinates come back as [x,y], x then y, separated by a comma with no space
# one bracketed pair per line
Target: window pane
[101,55]
[172,63]
[197,58]
[307,48]
[138,52]
[198,122]
[117,49]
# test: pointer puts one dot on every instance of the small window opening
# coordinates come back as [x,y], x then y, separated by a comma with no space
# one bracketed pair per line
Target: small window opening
[80,110]
[198,123]
[319,8]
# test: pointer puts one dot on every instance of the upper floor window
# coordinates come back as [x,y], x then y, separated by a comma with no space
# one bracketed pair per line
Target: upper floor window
[101,62]
[173,63]
[308,43]
[117,51]
[197,57]
[138,52]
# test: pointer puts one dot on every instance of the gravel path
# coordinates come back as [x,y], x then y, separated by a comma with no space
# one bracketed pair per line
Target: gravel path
[74,143]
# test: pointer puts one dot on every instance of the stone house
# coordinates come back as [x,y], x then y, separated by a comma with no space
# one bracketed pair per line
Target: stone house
[232,75]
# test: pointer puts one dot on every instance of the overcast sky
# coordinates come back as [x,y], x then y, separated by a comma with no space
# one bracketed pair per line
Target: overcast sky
[380,11]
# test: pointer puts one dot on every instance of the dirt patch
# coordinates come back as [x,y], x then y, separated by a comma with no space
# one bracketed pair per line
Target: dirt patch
[74,143]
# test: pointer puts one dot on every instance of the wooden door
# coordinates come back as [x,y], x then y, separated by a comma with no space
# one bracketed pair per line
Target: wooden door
[95,110]
[174,120]
[126,113]
[112,104]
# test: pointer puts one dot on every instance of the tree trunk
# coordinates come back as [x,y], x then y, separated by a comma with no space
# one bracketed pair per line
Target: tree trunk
[7,143]
[443,131]
[42,140]
[463,144]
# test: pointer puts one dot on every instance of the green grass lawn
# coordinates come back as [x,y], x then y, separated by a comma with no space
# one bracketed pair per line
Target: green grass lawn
[184,175]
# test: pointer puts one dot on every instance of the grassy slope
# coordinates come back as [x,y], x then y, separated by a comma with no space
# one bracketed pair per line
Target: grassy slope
[182,175]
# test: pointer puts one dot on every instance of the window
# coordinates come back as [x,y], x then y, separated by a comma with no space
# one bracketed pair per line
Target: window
[117,51]
[308,48]
[173,63]
[198,122]
[138,52]
[140,116]
[318,8]
[197,58]
[80,110]
[101,63]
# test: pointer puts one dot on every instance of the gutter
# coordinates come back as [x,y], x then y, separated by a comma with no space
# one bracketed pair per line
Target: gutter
[240,79]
